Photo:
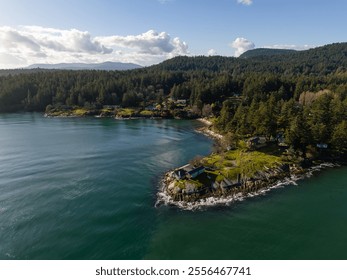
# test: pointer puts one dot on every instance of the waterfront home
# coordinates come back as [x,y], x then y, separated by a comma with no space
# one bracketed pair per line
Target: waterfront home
[253,142]
[195,172]
[322,146]
[179,174]
[188,172]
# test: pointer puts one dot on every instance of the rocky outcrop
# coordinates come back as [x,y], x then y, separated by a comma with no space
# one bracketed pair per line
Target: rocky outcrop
[186,191]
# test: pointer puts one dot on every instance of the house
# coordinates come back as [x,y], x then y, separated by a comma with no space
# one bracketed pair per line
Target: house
[188,171]
[150,107]
[281,140]
[195,172]
[322,146]
[179,174]
[254,141]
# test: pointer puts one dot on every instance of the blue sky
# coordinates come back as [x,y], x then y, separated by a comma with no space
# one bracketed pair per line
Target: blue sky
[149,31]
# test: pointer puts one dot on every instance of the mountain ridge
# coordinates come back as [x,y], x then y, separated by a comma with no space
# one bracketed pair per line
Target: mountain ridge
[108,66]
[319,60]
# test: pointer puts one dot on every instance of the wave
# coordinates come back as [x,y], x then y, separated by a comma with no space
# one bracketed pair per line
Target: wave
[164,199]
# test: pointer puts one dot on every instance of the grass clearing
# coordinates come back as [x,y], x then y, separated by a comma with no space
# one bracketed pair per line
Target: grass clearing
[146,113]
[246,163]
[80,112]
[126,112]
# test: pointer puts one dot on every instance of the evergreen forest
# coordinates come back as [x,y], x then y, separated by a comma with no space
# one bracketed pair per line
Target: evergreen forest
[300,96]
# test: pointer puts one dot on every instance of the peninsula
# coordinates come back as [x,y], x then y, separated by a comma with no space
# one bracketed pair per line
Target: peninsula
[233,173]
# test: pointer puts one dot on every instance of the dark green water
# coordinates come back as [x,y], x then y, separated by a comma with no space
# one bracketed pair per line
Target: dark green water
[86,189]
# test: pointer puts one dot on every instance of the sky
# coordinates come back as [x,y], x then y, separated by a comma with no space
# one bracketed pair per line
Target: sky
[147,32]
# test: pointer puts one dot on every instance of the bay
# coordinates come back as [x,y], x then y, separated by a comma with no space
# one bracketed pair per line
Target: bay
[86,189]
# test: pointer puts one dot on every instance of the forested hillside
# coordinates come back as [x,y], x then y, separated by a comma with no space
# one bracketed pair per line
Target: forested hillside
[302,95]
[265,52]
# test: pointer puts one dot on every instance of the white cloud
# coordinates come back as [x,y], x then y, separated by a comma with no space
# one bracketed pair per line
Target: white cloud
[212,52]
[241,45]
[12,39]
[150,42]
[245,2]
[26,45]
[39,39]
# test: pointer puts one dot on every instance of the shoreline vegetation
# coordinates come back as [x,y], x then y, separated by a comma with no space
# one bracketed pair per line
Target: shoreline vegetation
[153,111]
[105,112]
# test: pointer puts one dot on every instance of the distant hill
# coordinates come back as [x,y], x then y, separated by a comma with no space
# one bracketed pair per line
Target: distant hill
[321,60]
[108,66]
[265,52]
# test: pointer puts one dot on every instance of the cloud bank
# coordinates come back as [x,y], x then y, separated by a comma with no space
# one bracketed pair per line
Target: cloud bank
[241,45]
[26,45]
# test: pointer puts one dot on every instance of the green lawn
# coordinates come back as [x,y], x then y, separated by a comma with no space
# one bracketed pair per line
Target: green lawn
[247,163]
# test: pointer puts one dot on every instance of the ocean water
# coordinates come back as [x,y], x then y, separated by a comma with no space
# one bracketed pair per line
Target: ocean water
[87,189]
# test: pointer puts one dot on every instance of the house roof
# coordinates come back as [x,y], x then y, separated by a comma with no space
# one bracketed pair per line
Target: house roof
[197,169]
[254,139]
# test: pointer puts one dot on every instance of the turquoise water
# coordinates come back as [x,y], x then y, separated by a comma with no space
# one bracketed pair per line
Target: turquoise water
[86,189]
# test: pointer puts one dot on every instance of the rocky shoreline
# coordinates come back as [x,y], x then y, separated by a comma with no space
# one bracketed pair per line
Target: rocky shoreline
[259,185]
[246,185]
[206,130]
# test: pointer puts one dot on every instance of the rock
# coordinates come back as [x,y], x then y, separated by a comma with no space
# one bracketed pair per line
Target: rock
[190,188]
[171,186]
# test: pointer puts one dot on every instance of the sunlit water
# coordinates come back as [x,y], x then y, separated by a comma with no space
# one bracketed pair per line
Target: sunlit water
[87,189]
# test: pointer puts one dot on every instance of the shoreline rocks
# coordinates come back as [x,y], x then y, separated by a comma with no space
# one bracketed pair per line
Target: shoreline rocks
[265,181]
[261,180]
[206,130]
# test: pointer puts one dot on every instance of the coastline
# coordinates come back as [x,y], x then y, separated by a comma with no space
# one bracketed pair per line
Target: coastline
[207,131]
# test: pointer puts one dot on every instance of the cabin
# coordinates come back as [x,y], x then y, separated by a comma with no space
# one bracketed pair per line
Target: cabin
[254,141]
[195,172]
[150,107]
[322,146]
[257,142]
[179,174]
[188,172]
[281,140]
